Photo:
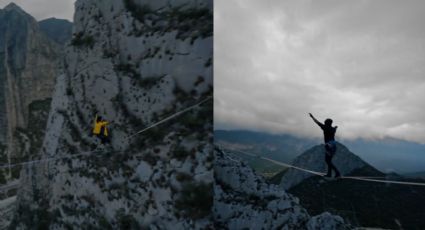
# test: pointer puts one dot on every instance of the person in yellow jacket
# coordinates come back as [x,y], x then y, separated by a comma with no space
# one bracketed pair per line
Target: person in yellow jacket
[100,129]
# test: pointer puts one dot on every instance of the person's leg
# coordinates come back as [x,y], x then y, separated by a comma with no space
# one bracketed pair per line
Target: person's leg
[332,154]
[328,159]
[337,174]
[102,135]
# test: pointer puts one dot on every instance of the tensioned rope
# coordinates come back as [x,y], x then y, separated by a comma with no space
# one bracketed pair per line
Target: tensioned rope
[88,153]
[170,117]
[361,178]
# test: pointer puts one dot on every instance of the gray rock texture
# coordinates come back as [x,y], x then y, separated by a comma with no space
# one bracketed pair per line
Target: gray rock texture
[134,63]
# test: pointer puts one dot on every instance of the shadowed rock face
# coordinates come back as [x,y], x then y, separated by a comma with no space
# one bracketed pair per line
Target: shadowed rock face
[28,67]
[243,200]
[314,159]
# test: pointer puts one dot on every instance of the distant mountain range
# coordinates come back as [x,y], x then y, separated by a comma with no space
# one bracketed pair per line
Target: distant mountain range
[387,155]
[278,147]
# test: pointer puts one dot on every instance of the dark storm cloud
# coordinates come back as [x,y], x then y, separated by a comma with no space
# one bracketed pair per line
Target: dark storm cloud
[361,63]
[42,9]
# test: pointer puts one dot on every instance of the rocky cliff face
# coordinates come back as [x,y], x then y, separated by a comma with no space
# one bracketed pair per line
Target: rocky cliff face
[28,67]
[314,159]
[134,63]
[243,200]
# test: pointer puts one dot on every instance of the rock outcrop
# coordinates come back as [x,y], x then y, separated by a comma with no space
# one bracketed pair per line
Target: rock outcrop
[134,63]
[244,200]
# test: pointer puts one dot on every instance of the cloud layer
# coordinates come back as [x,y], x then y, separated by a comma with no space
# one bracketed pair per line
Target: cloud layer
[362,63]
[42,9]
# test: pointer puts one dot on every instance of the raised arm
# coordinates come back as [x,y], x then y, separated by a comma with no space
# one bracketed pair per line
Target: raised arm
[315,120]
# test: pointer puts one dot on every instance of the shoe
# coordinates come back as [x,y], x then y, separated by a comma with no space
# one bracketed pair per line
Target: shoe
[328,175]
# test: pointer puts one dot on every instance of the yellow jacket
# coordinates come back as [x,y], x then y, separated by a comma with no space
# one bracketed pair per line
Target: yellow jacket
[98,126]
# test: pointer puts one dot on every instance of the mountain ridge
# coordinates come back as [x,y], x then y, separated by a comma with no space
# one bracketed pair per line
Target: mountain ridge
[313,159]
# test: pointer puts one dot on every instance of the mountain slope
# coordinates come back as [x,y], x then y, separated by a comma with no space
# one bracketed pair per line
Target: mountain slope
[134,63]
[314,159]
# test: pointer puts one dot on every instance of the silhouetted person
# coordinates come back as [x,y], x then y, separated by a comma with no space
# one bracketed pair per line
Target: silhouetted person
[330,144]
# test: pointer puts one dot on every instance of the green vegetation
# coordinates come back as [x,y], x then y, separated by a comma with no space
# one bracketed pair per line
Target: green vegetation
[155,135]
[148,82]
[181,176]
[180,94]
[127,69]
[208,63]
[181,153]
[199,80]
[42,105]
[3,155]
[36,218]
[190,23]
[126,221]
[109,53]
[193,121]
[79,40]
[150,159]
[194,22]
[69,91]
[2,178]
[196,200]
[104,223]
[137,11]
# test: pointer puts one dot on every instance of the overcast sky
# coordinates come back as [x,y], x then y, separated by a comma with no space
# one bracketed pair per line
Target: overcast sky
[42,9]
[361,63]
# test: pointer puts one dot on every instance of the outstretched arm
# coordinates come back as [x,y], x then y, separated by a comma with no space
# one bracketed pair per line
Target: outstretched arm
[315,120]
